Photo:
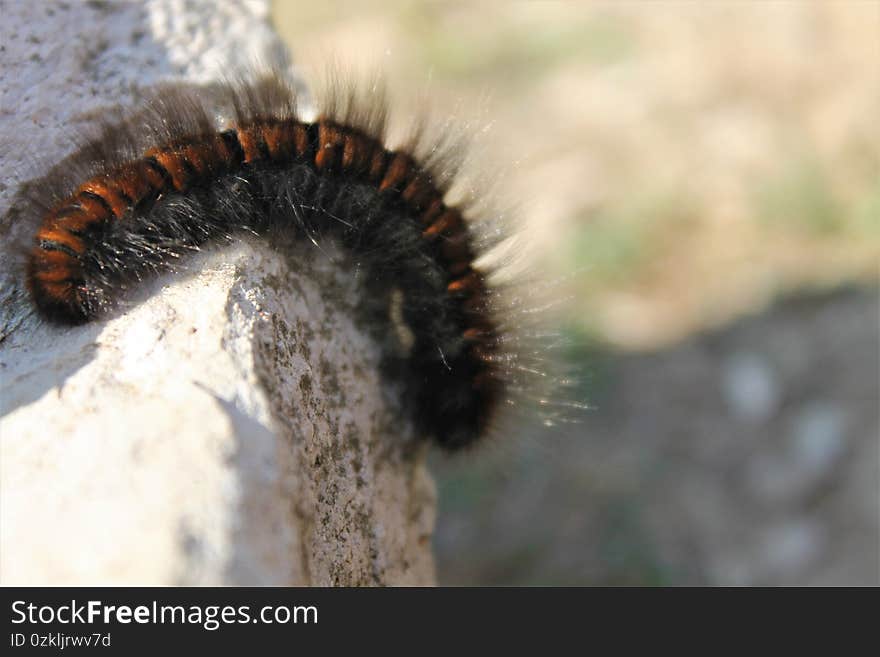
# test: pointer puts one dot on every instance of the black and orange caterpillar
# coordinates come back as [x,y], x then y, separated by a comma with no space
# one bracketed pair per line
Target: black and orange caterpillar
[170,180]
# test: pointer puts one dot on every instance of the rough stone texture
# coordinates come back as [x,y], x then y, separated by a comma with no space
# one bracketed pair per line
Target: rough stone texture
[229,426]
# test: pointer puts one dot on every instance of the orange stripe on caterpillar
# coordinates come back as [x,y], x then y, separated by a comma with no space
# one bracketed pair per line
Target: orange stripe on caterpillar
[57,236]
[330,142]
[470,283]
[174,165]
[104,190]
[447,221]
[398,171]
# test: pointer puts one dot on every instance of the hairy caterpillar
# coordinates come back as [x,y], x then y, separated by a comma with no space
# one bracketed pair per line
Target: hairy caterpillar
[173,178]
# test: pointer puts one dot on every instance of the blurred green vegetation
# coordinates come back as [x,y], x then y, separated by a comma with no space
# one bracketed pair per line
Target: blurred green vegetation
[522,50]
[867,211]
[801,198]
[613,245]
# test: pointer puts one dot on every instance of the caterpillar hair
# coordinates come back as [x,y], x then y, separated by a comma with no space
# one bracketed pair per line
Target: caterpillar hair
[176,177]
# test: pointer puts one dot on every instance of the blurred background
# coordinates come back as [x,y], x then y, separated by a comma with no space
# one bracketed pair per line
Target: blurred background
[703,180]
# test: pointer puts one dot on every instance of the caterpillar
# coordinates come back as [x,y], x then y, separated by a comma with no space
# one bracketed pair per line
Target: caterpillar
[197,166]
[172,179]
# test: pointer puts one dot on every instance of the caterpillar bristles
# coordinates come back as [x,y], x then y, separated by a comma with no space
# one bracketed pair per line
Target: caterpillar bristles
[197,166]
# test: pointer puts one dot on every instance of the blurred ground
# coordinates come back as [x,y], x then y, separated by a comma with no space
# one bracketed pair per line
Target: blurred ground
[680,165]
[747,455]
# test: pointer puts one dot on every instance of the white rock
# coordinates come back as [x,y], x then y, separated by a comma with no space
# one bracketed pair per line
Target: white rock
[750,387]
[229,426]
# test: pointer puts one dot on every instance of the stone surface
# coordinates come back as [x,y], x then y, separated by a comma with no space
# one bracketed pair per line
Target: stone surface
[228,425]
